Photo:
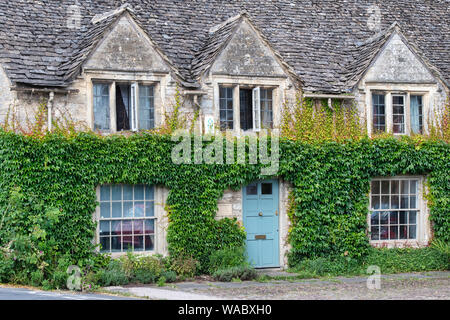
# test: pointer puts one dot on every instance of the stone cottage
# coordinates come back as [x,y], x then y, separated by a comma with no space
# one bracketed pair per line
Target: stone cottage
[114,66]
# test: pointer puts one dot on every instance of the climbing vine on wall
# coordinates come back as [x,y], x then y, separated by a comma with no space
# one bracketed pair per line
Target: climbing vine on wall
[330,187]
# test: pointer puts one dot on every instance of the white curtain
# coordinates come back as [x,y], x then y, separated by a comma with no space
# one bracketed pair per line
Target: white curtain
[415,113]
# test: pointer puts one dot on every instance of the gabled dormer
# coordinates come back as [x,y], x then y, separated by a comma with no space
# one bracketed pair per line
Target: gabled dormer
[402,88]
[249,77]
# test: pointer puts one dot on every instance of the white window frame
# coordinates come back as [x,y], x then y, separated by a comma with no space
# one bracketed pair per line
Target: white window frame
[278,86]
[401,90]
[157,80]
[155,218]
[423,228]
[256,108]
[134,103]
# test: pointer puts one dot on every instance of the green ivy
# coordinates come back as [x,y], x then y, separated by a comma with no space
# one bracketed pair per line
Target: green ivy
[330,187]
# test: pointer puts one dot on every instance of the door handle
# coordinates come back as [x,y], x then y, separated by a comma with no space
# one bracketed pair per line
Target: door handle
[260,214]
[276,212]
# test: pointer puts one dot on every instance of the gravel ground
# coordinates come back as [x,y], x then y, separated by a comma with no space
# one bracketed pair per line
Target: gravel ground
[430,285]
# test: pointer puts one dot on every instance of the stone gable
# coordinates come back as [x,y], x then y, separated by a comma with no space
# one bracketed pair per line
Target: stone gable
[127,48]
[397,63]
[246,54]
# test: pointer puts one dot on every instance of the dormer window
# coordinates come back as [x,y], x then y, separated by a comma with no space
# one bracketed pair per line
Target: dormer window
[129,104]
[255,108]
[399,113]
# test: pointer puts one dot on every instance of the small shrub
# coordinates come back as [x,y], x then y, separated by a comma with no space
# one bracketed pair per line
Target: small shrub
[112,278]
[113,275]
[6,267]
[185,266]
[241,272]
[169,275]
[161,281]
[150,264]
[227,258]
[37,277]
[144,276]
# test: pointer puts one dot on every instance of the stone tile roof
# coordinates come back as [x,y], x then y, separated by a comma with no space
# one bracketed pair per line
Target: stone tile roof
[327,43]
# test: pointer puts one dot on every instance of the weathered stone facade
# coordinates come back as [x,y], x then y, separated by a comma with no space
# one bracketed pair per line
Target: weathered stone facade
[240,50]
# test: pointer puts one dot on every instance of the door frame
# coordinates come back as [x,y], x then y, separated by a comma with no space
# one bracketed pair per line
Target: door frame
[278,202]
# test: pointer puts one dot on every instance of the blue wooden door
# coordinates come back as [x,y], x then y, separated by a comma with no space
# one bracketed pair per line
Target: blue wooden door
[260,213]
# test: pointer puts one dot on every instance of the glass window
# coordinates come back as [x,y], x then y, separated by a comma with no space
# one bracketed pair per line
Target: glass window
[226,108]
[416,109]
[394,207]
[398,113]
[252,190]
[101,106]
[266,188]
[266,108]
[379,112]
[246,108]
[146,108]
[127,219]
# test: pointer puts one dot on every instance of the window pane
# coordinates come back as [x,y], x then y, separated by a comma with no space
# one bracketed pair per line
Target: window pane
[149,226]
[395,187]
[127,192]
[266,188]
[375,187]
[105,210]
[412,217]
[105,244]
[139,192]
[404,202]
[101,106]
[139,243]
[395,202]
[416,114]
[412,232]
[393,217]
[403,217]
[384,233]
[405,186]
[116,244]
[403,232]
[146,108]
[127,227]
[149,242]
[384,217]
[116,192]
[149,193]
[374,218]
[398,114]
[139,209]
[105,193]
[105,228]
[385,187]
[374,233]
[413,187]
[128,209]
[226,108]
[378,103]
[149,209]
[266,108]
[375,202]
[117,209]
[116,227]
[412,202]
[393,233]
[384,202]
[252,190]
[138,227]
